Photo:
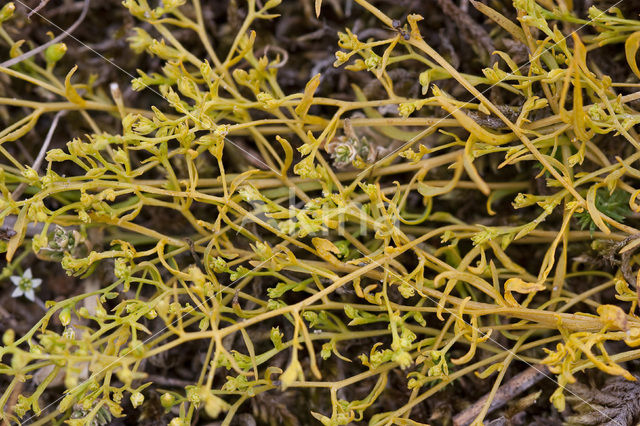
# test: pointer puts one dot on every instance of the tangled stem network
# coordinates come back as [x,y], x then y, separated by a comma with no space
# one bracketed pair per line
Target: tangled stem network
[487,222]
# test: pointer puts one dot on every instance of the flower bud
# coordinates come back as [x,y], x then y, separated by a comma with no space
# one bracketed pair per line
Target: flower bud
[70,380]
[121,157]
[125,375]
[7,11]
[137,399]
[54,53]
[8,337]
[172,4]
[100,311]
[65,316]
[31,174]
[167,400]
[66,403]
[140,41]
[39,242]
[272,3]
[56,155]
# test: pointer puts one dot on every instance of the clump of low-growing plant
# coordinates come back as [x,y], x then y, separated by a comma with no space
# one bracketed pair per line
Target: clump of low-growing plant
[345,242]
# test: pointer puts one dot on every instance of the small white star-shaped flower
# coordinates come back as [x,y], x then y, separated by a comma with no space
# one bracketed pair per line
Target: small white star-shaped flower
[25,285]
